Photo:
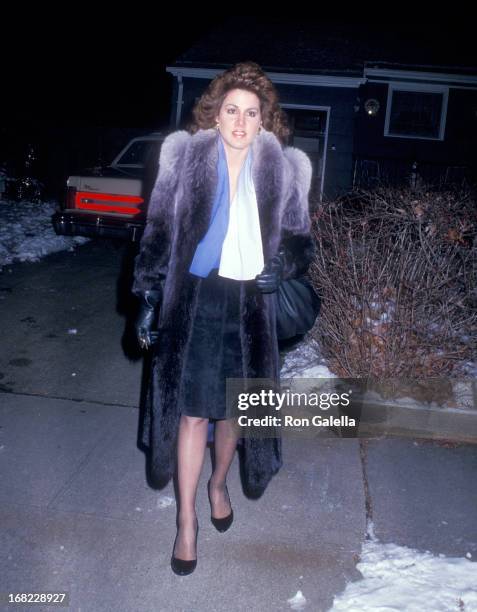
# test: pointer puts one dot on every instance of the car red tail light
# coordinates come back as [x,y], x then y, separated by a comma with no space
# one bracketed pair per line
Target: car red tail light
[104,202]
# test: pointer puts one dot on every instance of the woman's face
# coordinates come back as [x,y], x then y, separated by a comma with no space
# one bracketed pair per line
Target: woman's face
[239,118]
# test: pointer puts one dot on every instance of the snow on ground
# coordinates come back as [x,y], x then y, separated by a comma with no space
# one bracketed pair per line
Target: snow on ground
[26,232]
[305,361]
[408,580]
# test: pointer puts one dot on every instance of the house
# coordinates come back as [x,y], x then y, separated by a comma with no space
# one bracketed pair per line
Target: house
[367,104]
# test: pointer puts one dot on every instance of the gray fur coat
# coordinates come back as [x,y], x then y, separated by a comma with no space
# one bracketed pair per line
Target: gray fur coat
[178,217]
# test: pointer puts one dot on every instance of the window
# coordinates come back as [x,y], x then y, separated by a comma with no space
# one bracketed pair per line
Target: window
[414,111]
[139,153]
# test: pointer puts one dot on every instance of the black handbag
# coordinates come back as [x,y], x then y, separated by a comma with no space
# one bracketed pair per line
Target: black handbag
[297,305]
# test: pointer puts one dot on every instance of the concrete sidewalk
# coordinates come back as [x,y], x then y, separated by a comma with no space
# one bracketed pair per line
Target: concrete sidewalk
[77,514]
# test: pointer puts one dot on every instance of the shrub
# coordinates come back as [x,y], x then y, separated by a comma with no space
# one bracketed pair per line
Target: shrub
[397,272]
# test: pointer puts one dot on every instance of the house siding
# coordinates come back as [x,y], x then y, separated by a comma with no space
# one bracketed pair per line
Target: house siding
[456,149]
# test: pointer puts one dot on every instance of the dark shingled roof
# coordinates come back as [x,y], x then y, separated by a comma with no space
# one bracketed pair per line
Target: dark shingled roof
[338,49]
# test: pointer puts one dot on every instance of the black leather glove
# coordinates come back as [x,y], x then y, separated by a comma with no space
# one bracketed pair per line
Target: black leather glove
[146,321]
[271,276]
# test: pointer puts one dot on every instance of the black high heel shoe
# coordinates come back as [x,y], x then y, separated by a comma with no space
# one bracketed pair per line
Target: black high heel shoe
[183,567]
[221,524]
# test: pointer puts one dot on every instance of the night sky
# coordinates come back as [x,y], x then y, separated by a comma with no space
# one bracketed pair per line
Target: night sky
[92,73]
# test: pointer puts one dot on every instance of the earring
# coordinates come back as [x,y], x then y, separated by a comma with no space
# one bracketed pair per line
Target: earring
[260,128]
[217,126]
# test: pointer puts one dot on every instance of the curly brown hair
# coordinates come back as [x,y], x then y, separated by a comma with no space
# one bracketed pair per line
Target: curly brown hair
[248,76]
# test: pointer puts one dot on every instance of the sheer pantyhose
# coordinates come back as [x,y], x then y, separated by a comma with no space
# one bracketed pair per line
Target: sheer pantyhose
[191,445]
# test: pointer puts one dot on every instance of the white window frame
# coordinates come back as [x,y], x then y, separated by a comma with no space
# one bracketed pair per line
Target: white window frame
[422,88]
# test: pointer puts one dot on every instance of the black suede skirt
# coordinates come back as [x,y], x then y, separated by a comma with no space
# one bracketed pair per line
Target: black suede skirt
[214,351]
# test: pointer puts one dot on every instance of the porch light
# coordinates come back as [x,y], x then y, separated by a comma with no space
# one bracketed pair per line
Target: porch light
[372,107]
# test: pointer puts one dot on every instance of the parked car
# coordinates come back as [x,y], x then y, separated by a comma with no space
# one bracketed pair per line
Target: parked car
[111,202]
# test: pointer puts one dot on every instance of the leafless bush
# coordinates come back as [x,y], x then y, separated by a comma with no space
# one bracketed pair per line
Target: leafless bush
[397,271]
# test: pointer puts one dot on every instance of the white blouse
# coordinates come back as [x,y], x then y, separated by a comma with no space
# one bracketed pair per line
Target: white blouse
[242,252]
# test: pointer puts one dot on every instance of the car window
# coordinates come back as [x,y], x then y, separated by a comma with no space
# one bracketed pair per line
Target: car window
[140,153]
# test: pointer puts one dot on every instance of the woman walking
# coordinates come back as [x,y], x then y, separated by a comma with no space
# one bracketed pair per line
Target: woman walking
[228,220]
